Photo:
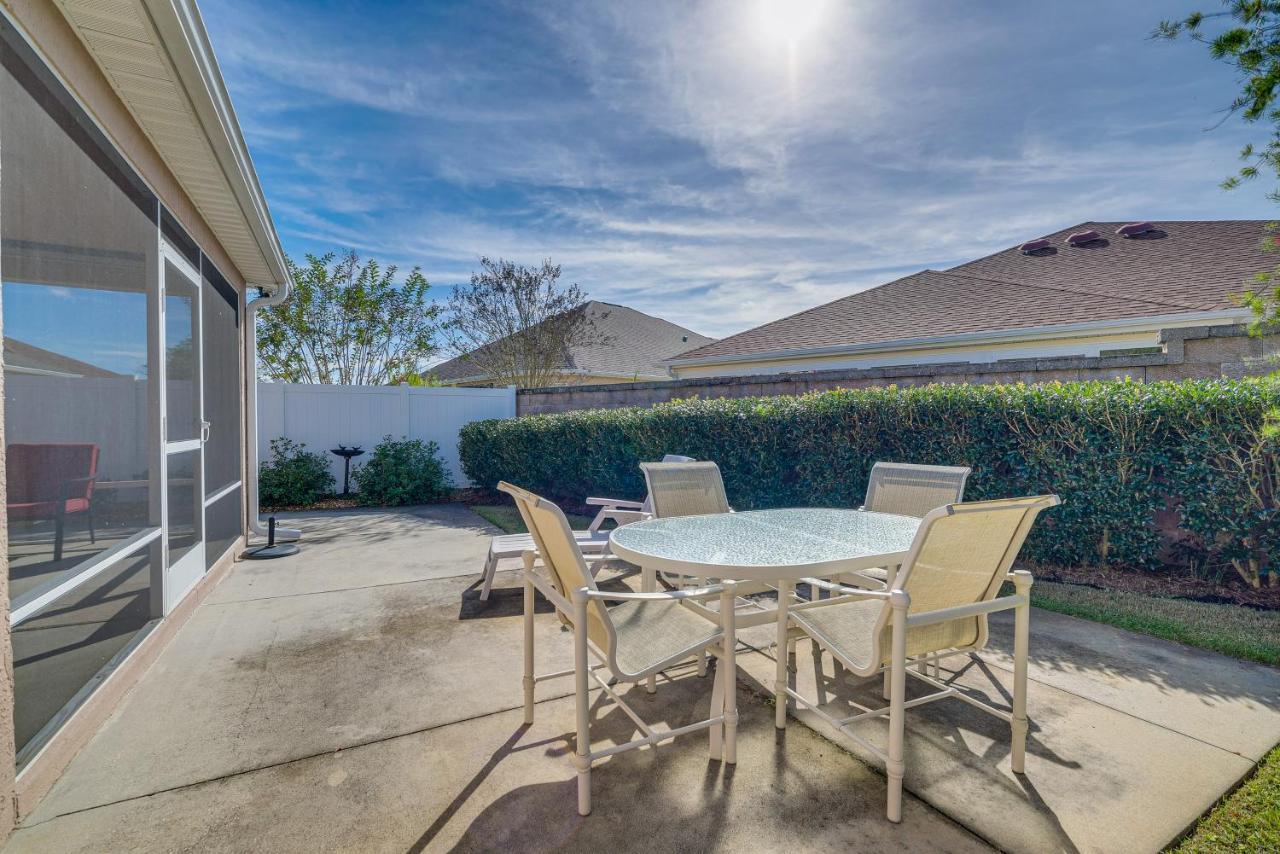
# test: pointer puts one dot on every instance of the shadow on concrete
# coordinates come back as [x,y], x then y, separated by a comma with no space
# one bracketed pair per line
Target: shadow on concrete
[508,601]
[1085,649]
[373,525]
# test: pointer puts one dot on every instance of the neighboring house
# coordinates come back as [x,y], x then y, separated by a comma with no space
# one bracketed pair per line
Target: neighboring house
[624,345]
[133,228]
[22,358]
[1111,288]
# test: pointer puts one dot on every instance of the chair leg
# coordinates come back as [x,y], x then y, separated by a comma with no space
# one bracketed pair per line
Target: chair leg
[490,570]
[780,672]
[819,681]
[716,733]
[895,766]
[93,537]
[1021,645]
[648,584]
[582,752]
[528,638]
[58,526]
[702,663]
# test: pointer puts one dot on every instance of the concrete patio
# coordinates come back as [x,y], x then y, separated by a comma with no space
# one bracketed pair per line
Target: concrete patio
[358,696]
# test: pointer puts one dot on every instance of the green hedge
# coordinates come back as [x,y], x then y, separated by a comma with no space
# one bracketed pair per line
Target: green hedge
[293,476]
[407,471]
[1117,453]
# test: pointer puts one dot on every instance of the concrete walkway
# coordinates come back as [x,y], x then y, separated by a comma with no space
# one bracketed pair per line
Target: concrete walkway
[359,697]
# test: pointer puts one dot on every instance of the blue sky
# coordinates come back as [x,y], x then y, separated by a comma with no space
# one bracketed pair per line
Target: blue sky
[721,164]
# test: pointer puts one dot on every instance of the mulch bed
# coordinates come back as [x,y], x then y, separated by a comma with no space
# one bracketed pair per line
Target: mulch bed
[1172,583]
[333,503]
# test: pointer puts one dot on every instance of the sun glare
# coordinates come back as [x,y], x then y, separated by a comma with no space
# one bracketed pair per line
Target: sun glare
[788,21]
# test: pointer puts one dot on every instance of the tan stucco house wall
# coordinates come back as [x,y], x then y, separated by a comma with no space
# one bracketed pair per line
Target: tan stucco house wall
[141,74]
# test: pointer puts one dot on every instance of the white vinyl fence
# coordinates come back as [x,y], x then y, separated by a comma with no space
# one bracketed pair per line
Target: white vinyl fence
[324,416]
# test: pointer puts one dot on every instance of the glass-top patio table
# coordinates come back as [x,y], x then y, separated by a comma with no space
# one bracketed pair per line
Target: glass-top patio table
[767,545]
[765,548]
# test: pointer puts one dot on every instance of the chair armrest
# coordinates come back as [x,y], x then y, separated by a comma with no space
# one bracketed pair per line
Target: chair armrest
[64,489]
[615,503]
[625,517]
[846,591]
[661,596]
[973,609]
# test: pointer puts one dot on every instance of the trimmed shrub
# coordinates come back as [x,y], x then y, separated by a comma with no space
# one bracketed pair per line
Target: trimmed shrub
[408,471]
[1118,453]
[293,476]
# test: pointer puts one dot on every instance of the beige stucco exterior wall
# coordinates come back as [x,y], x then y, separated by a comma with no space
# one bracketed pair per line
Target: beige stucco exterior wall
[1190,353]
[44,26]
[1044,348]
[8,758]
[1079,343]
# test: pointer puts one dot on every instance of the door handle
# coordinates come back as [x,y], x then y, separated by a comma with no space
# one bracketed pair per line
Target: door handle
[205,427]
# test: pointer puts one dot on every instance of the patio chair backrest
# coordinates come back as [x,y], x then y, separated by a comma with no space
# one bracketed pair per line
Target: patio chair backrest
[961,555]
[560,554]
[913,490]
[685,489]
[647,506]
[49,471]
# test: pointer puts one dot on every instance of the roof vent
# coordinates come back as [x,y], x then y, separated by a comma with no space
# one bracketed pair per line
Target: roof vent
[1083,238]
[1032,246]
[1133,229]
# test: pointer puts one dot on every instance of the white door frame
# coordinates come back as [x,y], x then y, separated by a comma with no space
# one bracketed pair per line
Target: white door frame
[179,578]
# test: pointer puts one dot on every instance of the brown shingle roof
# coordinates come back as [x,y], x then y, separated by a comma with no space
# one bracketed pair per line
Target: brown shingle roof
[1181,267]
[625,342]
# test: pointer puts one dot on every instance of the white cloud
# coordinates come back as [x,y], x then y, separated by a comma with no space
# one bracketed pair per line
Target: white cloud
[672,157]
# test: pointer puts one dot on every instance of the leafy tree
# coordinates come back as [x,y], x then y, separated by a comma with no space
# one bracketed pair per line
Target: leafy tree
[515,324]
[417,380]
[1246,35]
[348,322]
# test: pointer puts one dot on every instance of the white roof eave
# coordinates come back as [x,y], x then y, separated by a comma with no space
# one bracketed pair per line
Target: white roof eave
[180,25]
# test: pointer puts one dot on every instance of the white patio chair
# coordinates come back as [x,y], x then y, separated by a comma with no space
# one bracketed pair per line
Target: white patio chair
[908,489]
[593,541]
[623,512]
[644,635]
[685,489]
[936,607]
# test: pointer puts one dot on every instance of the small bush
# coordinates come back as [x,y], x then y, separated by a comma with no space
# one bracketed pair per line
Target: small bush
[293,475]
[408,471]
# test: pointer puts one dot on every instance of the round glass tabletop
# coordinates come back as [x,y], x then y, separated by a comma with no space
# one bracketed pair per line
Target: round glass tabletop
[767,544]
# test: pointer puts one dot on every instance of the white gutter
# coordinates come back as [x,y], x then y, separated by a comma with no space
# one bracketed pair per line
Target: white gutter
[1136,324]
[251,398]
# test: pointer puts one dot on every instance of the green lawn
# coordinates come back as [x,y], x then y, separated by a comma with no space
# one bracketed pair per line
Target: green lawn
[1246,820]
[1229,629]
[507,517]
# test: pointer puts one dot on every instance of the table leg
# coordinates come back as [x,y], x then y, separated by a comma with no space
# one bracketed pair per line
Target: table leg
[648,584]
[785,586]
[717,708]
